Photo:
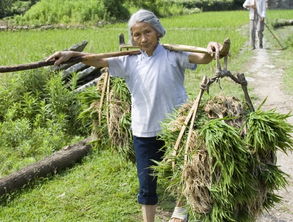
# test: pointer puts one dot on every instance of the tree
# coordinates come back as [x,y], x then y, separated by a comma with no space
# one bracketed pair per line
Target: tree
[151,5]
[5,6]
[238,3]
[115,9]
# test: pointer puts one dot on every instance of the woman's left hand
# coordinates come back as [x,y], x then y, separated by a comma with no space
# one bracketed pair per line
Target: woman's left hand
[214,49]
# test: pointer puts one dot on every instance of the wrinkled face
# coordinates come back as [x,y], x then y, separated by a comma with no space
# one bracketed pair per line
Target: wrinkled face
[145,37]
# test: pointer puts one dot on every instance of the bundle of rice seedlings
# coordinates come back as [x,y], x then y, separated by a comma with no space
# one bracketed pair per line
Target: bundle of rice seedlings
[111,116]
[227,172]
[268,132]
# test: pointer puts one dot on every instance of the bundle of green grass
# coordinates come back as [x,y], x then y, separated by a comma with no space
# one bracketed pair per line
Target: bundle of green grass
[110,114]
[228,170]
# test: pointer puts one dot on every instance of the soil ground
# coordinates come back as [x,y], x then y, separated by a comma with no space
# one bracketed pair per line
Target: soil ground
[266,80]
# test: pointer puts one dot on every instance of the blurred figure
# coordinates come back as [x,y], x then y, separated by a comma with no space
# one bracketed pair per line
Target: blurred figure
[257,14]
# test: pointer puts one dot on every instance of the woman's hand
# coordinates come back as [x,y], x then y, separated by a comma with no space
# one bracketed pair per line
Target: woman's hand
[96,60]
[214,49]
[61,56]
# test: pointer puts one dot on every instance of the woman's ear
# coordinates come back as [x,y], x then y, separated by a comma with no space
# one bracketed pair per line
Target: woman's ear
[158,36]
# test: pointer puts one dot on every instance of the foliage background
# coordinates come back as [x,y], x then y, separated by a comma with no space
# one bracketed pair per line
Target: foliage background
[93,11]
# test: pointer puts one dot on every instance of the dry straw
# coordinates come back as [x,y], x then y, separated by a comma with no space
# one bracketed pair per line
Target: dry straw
[112,120]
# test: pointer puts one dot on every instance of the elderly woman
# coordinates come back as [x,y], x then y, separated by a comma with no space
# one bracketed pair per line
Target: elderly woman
[155,79]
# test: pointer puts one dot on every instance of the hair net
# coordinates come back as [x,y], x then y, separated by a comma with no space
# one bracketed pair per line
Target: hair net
[143,15]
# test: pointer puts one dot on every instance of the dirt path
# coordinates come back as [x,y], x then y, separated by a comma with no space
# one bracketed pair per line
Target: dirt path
[266,79]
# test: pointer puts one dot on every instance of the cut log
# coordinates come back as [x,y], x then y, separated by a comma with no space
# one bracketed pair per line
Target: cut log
[78,48]
[72,69]
[282,22]
[88,75]
[87,85]
[57,162]
[89,71]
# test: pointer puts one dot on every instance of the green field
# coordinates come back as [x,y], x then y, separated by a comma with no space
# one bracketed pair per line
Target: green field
[32,124]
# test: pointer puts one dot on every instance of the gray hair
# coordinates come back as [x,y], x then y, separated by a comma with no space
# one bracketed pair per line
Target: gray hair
[143,15]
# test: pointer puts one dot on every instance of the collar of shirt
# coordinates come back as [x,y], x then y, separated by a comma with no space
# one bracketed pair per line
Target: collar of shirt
[157,50]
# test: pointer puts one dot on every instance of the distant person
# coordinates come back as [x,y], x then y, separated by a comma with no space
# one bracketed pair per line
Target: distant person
[155,79]
[257,14]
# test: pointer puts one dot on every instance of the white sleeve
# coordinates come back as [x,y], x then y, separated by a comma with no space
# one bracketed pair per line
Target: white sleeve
[117,66]
[262,9]
[183,59]
[247,3]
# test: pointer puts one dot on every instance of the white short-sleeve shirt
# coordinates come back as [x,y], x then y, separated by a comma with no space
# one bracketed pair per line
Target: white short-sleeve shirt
[156,84]
[260,8]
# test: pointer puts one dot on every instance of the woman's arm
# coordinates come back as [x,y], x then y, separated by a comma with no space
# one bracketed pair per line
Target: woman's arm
[248,4]
[87,58]
[205,58]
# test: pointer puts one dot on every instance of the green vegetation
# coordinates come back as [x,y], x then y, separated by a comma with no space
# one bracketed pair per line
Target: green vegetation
[284,34]
[101,188]
[39,115]
[92,12]
[12,7]
[223,172]
[74,12]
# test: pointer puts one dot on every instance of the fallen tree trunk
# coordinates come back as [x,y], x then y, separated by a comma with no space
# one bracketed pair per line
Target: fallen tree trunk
[60,160]
[282,22]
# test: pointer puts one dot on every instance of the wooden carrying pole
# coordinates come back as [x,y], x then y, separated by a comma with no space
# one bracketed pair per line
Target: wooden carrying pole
[224,51]
[72,60]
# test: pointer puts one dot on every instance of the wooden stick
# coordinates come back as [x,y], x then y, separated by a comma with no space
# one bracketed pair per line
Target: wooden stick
[243,84]
[187,119]
[72,60]
[273,34]
[25,66]
[187,48]
[108,102]
[197,101]
[223,52]
[103,96]
[172,47]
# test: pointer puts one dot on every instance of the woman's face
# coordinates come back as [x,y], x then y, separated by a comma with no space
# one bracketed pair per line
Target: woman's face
[145,37]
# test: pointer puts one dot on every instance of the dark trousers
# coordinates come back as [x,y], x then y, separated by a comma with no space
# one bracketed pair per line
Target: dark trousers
[256,28]
[147,149]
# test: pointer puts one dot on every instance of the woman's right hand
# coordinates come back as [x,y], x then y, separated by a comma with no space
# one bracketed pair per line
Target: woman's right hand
[61,56]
